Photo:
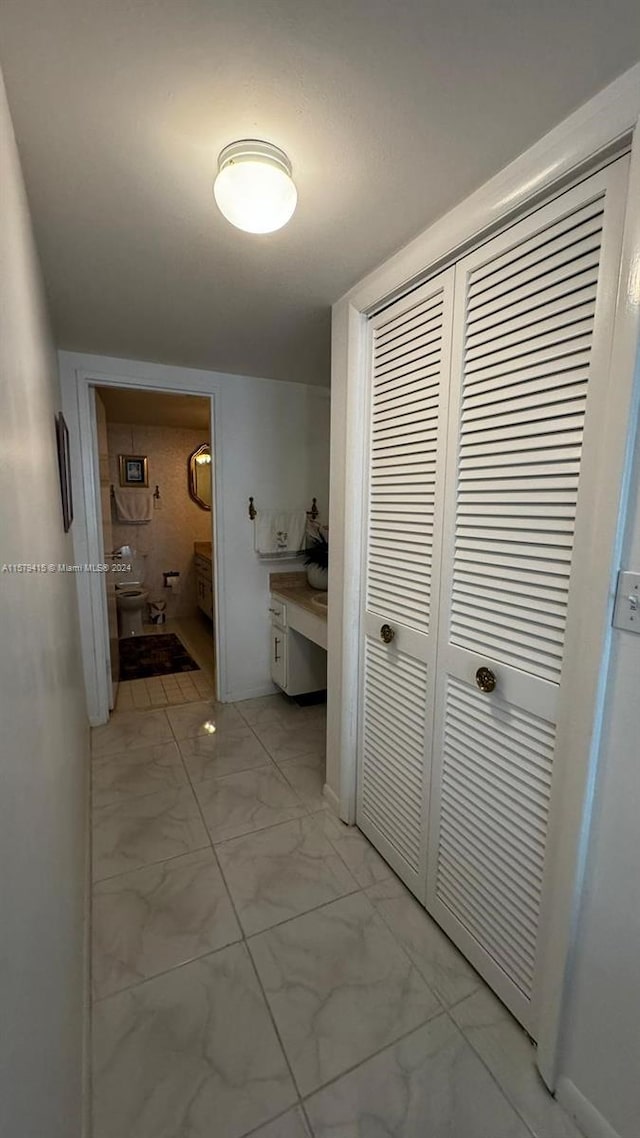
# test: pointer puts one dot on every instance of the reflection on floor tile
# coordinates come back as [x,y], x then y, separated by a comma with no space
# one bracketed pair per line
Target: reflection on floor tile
[510,1057]
[446,971]
[192,1052]
[429,1085]
[281,872]
[155,918]
[339,988]
[138,771]
[193,719]
[128,835]
[241,803]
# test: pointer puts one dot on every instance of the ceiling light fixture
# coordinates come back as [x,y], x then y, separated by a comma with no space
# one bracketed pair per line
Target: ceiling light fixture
[254,188]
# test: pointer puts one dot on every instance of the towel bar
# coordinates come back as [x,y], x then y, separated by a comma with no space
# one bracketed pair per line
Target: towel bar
[312,513]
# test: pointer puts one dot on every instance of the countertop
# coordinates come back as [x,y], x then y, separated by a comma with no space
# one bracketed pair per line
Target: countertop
[296,591]
[203,549]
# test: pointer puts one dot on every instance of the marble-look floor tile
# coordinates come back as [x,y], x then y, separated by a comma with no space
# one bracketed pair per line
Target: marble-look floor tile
[290,742]
[140,771]
[190,1054]
[241,803]
[339,987]
[306,774]
[278,873]
[430,1084]
[510,1057]
[143,830]
[153,919]
[193,719]
[225,752]
[364,862]
[127,729]
[289,1125]
[269,710]
[446,971]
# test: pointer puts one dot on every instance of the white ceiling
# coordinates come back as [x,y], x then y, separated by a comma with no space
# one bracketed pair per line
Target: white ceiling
[156,408]
[390,110]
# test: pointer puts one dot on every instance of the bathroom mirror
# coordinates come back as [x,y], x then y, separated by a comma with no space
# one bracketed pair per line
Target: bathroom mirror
[200,476]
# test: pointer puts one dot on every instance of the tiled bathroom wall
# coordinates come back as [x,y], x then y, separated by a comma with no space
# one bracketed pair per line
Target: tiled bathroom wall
[168,539]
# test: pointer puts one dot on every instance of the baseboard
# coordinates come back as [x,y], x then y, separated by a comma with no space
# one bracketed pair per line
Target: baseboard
[332,799]
[590,1121]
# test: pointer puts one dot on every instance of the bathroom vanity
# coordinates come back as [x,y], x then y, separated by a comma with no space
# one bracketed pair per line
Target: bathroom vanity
[298,634]
[202,558]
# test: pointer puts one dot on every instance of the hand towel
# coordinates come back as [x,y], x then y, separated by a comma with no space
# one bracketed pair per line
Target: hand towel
[133,507]
[280,533]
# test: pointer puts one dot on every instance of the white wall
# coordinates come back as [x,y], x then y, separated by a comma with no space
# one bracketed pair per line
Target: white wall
[271,440]
[601,1057]
[44,739]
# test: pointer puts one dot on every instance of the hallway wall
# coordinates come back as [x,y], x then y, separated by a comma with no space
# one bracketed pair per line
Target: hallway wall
[44,738]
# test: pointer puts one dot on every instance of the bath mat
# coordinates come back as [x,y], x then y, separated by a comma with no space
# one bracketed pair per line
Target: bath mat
[144,656]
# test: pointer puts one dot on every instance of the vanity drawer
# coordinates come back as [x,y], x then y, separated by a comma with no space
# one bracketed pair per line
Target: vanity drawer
[278,612]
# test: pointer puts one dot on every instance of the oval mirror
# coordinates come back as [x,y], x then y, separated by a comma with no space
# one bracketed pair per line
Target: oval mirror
[200,464]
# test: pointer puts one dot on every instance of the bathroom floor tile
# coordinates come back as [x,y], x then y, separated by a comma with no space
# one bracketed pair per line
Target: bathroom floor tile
[143,830]
[364,862]
[270,711]
[306,774]
[289,1125]
[128,729]
[143,770]
[225,752]
[153,919]
[444,968]
[189,720]
[278,873]
[203,1053]
[339,988]
[510,1057]
[240,803]
[430,1084]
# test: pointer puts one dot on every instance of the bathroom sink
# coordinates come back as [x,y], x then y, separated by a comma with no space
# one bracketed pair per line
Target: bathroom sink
[320,600]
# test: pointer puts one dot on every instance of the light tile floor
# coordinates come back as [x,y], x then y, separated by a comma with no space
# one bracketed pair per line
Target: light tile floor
[257,967]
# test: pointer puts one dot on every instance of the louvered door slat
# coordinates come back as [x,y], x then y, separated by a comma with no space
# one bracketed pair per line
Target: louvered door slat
[409,357]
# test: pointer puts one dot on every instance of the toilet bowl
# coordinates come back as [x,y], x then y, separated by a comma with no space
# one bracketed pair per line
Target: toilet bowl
[131,599]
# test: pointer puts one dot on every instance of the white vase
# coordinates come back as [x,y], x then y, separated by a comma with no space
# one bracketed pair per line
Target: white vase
[318,578]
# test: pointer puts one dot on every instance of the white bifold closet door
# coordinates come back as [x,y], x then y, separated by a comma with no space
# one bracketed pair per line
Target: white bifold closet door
[408,391]
[532,328]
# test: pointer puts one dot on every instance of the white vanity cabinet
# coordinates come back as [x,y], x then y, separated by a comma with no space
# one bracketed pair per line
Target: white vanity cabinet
[204,584]
[298,663]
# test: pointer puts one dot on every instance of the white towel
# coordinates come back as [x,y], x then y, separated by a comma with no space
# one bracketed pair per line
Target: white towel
[280,533]
[133,507]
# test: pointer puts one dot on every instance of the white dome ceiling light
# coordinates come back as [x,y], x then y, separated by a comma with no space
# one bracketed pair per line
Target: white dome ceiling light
[254,188]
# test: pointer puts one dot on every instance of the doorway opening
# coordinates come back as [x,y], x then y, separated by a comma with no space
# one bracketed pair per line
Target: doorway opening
[157,522]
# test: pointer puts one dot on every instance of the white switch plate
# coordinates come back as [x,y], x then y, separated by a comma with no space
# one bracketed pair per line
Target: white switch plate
[626,614]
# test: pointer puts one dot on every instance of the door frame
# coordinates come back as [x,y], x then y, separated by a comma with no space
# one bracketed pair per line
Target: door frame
[604,128]
[80,413]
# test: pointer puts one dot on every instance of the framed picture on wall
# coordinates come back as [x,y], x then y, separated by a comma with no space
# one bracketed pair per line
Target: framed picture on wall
[133,470]
[64,470]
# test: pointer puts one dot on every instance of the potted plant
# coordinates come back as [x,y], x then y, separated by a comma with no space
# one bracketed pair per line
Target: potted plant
[317,562]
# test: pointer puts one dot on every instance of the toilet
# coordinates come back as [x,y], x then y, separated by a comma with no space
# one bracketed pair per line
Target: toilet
[131,597]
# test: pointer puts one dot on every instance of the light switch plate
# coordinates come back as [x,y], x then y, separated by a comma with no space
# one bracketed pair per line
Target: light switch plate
[626,614]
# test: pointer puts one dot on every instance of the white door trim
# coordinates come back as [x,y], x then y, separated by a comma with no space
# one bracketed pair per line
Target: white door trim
[603,127]
[79,411]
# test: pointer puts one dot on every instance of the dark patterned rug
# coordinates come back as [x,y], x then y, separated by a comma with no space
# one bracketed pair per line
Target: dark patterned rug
[145,656]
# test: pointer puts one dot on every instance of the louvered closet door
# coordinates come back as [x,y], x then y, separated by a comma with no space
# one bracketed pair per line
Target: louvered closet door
[530,328]
[409,372]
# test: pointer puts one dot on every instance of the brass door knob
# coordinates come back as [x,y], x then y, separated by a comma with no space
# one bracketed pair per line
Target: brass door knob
[485,679]
[387,633]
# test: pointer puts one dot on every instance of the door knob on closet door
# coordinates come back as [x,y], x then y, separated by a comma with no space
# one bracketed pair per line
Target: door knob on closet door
[387,633]
[485,679]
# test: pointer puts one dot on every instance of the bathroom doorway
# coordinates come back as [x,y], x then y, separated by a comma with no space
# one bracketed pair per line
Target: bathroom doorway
[156,474]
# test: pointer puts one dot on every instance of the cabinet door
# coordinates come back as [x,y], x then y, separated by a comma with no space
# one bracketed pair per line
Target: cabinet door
[279,656]
[408,382]
[533,312]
